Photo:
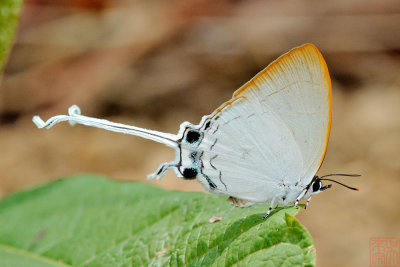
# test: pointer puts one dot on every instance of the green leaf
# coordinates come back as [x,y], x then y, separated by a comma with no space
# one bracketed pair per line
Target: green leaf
[9,13]
[92,221]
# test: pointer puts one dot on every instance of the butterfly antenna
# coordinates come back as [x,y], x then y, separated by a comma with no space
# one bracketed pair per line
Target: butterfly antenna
[74,116]
[341,174]
[349,187]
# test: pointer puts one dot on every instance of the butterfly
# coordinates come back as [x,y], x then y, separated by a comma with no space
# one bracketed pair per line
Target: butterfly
[265,145]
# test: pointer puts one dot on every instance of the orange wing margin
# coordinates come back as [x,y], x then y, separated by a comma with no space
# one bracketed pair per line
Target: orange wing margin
[275,66]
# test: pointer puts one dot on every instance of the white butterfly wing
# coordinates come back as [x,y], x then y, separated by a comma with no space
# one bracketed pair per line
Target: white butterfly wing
[250,151]
[274,130]
[297,87]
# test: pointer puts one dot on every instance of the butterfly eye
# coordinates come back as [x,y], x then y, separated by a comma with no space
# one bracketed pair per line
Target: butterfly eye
[189,173]
[192,136]
[316,185]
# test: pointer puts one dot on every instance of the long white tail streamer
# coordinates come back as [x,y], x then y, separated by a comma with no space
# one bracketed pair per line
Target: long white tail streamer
[74,116]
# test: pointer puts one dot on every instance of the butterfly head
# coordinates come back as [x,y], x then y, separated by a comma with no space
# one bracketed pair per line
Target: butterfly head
[316,186]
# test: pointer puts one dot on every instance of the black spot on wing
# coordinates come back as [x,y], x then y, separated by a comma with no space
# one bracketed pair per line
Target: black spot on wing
[189,173]
[208,124]
[192,136]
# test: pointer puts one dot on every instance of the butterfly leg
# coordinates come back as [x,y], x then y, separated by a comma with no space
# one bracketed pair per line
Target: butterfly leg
[308,201]
[161,170]
[269,210]
[299,198]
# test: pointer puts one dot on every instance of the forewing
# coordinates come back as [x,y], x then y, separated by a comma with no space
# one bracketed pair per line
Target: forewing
[275,129]
[297,87]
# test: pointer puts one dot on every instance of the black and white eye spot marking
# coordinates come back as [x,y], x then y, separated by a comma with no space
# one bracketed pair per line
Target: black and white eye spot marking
[190,173]
[316,186]
[192,137]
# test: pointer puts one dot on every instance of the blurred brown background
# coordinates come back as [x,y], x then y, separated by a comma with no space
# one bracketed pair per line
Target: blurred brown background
[155,64]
